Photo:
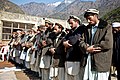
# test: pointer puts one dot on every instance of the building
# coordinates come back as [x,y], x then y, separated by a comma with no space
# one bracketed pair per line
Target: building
[10,21]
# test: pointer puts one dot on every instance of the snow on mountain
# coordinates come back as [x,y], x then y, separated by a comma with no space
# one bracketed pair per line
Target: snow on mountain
[54,4]
[68,1]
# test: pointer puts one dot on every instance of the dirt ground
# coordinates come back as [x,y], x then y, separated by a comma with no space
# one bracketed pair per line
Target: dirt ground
[6,64]
[21,75]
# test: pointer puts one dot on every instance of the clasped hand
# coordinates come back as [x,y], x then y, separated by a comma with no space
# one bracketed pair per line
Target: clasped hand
[93,49]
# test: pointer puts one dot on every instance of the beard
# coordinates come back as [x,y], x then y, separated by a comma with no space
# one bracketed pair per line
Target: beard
[53,35]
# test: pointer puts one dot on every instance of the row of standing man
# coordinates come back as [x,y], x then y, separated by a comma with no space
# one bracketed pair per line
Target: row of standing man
[84,53]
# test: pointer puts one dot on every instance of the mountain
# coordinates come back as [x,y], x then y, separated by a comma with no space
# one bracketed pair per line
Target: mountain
[44,10]
[8,6]
[75,8]
[63,5]
[65,8]
[39,9]
[54,4]
[108,5]
[34,8]
[113,15]
[78,7]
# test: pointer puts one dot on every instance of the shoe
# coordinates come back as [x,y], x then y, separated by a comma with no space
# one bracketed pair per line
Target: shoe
[113,75]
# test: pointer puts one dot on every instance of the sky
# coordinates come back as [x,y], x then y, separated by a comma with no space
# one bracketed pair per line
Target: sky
[19,2]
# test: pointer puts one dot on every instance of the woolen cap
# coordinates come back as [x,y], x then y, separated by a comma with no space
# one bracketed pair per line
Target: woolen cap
[74,17]
[116,24]
[95,11]
[59,25]
[49,22]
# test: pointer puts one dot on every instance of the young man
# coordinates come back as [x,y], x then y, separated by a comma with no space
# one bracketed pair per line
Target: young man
[100,45]
[73,52]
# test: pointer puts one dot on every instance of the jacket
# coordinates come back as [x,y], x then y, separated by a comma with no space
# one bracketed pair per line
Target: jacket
[75,53]
[101,61]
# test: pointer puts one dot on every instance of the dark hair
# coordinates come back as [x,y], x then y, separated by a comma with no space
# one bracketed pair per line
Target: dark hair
[89,14]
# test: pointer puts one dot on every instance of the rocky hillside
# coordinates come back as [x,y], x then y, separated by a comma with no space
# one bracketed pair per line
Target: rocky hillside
[8,6]
[46,10]
[113,16]
[35,8]
[69,7]
[78,7]
[75,8]
[108,5]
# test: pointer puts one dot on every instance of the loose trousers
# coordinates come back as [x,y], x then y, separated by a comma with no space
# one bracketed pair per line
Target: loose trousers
[94,75]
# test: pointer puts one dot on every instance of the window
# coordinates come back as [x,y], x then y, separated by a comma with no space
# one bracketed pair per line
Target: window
[29,26]
[15,25]
[6,30]
[9,26]
[22,25]
[6,36]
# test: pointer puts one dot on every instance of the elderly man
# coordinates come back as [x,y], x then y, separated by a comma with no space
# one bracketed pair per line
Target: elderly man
[45,60]
[99,48]
[57,66]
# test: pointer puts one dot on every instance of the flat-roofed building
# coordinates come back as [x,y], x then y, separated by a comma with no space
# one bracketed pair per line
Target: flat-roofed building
[10,21]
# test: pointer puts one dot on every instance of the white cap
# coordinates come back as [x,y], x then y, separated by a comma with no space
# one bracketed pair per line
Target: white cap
[116,24]
[92,11]
[74,17]
[34,28]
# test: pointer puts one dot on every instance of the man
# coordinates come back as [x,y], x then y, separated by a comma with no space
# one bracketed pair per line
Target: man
[12,46]
[45,60]
[49,26]
[116,48]
[20,39]
[24,49]
[57,66]
[40,31]
[73,52]
[100,45]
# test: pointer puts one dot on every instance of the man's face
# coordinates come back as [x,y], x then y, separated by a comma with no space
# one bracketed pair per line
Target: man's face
[50,25]
[14,34]
[57,29]
[19,33]
[22,32]
[92,20]
[72,23]
[43,29]
[46,24]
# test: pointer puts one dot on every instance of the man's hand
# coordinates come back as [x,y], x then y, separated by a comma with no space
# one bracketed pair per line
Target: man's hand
[23,44]
[33,48]
[44,43]
[92,49]
[52,50]
[66,44]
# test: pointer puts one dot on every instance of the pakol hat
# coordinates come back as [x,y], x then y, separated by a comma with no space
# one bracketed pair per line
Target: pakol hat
[59,25]
[95,11]
[74,17]
[49,22]
[115,24]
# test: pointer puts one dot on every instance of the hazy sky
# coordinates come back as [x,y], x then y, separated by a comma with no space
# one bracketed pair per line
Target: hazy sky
[19,2]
